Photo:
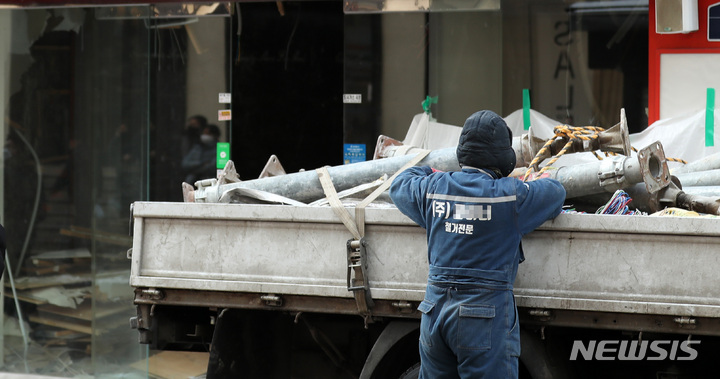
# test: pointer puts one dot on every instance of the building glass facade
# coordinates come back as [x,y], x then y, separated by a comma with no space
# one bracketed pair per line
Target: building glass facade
[94,106]
[96,103]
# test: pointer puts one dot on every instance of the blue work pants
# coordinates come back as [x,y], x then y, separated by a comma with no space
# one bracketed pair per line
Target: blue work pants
[468,331]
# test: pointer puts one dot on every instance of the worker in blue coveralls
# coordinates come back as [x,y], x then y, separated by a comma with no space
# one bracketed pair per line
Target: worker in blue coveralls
[474,219]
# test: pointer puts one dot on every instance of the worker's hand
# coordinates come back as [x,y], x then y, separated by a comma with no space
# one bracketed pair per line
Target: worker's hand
[536,176]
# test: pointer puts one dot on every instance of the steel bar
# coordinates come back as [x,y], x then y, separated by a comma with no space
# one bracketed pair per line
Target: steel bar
[673,196]
[615,140]
[700,178]
[711,162]
[698,203]
[712,191]
[649,166]
[305,186]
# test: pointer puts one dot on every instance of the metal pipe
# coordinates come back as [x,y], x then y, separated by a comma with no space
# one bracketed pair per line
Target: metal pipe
[700,178]
[712,191]
[697,203]
[584,179]
[305,186]
[698,199]
[711,162]
[608,175]
[648,167]
[615,140]
[673,196]
[33,217]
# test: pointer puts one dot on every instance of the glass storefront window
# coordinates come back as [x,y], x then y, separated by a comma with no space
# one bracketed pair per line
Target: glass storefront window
[100,105]
[95,104]
[581,62]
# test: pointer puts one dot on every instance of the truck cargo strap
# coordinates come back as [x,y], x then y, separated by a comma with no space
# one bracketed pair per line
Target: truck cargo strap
[356,247]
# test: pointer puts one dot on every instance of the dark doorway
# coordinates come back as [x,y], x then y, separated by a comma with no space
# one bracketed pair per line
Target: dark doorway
[287,85]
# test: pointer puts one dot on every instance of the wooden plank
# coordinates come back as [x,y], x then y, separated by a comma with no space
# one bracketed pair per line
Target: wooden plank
[29,282]
[60,296]
[82,328]
[26,297]
[67,342]
[47,269]
[174,364]
[82,263]
[82,252]
[107,237]
[51,332]
[84,311]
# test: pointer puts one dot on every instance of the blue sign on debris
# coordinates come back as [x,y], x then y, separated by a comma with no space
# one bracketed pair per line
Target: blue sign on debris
[354,152]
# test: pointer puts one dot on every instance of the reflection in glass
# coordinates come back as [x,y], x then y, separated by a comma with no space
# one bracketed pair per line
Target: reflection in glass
[94,107]
[580,64]
[164,10]
[373,6]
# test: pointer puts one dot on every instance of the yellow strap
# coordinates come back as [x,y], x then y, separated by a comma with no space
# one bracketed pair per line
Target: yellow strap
[357,227]
[335,202]
[360,208]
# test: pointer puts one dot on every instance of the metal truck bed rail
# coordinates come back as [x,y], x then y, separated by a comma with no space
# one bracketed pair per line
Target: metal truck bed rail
[598,263]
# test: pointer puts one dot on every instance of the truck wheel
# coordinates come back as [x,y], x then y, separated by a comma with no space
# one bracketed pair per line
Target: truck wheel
[412,373]
[394,353]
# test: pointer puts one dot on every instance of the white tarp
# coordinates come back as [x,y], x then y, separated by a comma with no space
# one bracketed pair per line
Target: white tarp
[427,133]
[682,137]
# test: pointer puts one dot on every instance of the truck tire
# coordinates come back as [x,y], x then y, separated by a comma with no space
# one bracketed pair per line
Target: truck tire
[395,351]
[411,373]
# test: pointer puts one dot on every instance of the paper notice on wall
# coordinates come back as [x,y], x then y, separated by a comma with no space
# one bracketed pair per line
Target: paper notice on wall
[224,115]
[224,98]
[223,154]
[354,153]
[352,98]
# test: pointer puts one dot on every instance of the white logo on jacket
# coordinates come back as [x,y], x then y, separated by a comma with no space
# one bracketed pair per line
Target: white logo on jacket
[473,212]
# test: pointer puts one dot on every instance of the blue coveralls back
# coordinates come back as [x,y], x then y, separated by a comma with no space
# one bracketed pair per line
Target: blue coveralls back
[474,223]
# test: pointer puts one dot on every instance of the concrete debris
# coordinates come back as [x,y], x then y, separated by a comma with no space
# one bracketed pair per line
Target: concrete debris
[60,296]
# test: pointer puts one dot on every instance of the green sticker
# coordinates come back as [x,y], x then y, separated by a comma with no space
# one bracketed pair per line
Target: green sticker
[223,154]
[710,118]
[526,109]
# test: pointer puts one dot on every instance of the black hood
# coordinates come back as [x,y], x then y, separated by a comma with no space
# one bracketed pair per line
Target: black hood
[486,142]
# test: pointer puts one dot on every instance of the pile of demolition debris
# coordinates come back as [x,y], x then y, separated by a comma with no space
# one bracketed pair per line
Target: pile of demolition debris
[592,163]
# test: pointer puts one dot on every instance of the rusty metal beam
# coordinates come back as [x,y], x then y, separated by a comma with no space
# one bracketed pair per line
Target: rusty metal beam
[263,301]
[620,321]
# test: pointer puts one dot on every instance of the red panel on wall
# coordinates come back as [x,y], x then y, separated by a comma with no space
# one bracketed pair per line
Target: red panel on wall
[693,42]
[58,3]
[52,3]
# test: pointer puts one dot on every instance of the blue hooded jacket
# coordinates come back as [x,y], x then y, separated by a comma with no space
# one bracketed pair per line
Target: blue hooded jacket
[475,220]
